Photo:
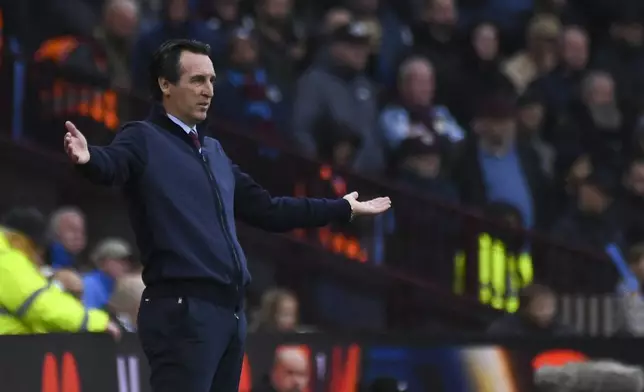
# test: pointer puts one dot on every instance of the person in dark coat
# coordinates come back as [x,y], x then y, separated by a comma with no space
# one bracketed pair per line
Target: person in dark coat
[184,195]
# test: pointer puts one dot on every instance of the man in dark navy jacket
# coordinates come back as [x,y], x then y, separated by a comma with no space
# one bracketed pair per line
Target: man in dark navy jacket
[184,195]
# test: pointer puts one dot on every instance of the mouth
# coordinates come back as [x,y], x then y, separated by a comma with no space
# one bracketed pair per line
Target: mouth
[203,105]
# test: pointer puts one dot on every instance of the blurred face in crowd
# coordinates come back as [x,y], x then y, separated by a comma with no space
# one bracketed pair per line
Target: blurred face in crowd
[244,51]
[441,13]
[352,54]
[630,33]
[291,371]
[276,12]
[592,200]
[178,11]
[227,10]
[574,51]
[286,314]
[486,42]
[189,98]
[638,269]
[343,154]
[635,180]
[496,132]
[116,268]
[542,309]
[121,19]
[531,117]
[70,232]
[600,90]
[418,83]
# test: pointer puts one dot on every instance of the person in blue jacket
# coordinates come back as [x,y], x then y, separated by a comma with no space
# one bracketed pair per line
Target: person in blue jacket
[184,195]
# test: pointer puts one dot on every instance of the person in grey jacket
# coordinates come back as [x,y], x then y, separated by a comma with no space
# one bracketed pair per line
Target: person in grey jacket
[335,93]
[629,295]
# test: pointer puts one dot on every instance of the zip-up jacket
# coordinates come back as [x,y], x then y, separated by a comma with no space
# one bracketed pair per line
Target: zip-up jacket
[30,304]
[183,204]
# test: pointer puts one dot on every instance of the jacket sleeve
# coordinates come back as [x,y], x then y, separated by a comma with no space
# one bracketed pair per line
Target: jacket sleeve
[115,164]
[255,206]
[29,297]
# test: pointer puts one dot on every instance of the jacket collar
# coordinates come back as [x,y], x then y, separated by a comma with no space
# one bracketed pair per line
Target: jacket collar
[159,117]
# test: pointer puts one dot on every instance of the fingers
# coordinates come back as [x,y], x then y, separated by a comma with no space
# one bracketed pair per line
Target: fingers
[353,194]
[72,128]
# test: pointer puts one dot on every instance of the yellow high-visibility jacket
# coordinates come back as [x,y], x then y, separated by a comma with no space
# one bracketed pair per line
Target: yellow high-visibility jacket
[501,273]
[29,304]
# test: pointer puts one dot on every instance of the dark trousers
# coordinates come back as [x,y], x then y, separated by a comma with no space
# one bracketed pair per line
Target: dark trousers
[192,345]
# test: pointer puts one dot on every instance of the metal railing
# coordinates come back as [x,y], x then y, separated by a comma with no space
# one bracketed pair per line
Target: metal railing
[421,238]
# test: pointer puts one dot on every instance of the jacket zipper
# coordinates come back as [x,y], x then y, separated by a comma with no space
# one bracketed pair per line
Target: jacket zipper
[223,221]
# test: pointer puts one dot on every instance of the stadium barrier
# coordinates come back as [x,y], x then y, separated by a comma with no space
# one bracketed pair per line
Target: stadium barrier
[91,362]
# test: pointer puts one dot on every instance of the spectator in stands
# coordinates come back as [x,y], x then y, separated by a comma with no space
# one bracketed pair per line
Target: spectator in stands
[291,371]
[223,18]
[419,165]
[481,72]
[530,124]
[316,47]
[67,227]
[390,38]
[176,22]
[112,261]
[246,97]
[622,55]
[435,38]
[592,376]
[597,124]
[593,223]
[414,113]
[278,312]
[561,86]
[495,166]
[629,293]
[281,41]
[536,316]
[335,93]
[28,303]
[125,300]
[540,55]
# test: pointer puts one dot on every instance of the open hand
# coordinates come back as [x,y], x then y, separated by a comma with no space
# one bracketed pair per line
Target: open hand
[76,144]
[370,207]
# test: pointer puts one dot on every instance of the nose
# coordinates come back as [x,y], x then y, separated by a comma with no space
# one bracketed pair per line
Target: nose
[208,91]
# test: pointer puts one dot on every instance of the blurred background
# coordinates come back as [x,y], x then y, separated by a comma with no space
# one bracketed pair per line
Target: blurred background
[509,135]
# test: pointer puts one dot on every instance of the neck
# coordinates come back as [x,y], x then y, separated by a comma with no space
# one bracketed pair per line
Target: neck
[171,111]
[495,149]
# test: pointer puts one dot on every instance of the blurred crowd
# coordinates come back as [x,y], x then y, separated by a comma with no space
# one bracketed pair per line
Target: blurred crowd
[534,103]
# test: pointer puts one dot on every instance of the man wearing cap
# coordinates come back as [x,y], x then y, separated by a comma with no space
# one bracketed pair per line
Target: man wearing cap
[335,93]
[111,258]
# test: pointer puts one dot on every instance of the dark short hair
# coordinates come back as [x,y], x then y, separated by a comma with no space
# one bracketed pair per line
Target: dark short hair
[165,62]
[30,222]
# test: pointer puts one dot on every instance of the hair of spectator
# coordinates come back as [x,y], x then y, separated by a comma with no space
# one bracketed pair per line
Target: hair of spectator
[166,62]
[57,215]
[28,221]
[409,65]
[604,376]
[269,305]
[111,4]
[591,78]
[533,291]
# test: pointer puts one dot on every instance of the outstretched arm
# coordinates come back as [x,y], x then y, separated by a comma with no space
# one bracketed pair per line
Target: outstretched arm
[109,165]
[255,206]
